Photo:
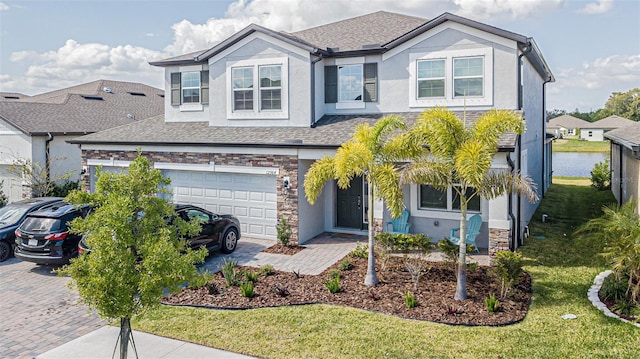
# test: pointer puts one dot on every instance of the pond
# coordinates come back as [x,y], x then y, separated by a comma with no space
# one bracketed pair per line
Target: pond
[576,164]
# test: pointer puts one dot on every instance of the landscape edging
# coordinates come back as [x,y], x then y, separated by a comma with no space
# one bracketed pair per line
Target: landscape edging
[593,296]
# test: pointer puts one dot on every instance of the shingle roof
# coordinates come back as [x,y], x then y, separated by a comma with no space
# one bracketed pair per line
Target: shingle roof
[567,121]
[353,34]
[330,132]
[85,108]
[610,123]
[628,136]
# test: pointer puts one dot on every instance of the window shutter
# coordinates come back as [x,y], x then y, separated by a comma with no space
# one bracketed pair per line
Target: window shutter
[175,89]
[330,84]
[204,87]
[370,82]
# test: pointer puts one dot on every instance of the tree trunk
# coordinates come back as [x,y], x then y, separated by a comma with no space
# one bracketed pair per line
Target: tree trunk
[371,279]
[461,283]
[125,333]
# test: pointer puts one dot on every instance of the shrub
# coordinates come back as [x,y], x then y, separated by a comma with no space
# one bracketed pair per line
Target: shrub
[63,189]
[410,301]
[283,231]
[280,290]
[508,266]
[3,198]
[266,270]
[246,289]
[383,254]
[614,288]
[601,176]
[491,303]
[251,276]
[452,252]
[231,275]
[415,248]
[345,264]
[360,251]
[333,282]
[212,288]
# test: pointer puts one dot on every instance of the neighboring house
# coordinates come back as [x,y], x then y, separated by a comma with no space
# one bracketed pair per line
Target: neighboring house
[594,131]
[36,128]
[246,119]
[566,126]
[625,162]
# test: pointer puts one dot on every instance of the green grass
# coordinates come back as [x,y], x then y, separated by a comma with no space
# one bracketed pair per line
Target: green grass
[575,145]
[576,181]
[562,266]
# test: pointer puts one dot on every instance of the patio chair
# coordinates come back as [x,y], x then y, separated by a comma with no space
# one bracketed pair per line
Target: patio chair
[400,225]
[473,229]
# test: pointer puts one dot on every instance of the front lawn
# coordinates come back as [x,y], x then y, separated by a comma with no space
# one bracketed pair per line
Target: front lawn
[562,268]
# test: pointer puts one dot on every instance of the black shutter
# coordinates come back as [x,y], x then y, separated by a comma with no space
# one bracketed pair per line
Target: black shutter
[204,87]
[371,82]
[330,84]
[175,89]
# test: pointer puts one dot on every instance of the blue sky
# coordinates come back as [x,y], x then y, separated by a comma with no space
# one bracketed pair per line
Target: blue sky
[592,46]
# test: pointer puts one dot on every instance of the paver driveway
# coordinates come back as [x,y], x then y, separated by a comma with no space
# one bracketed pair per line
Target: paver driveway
[38,312]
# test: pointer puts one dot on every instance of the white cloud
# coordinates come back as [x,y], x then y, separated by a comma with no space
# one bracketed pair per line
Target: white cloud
[510,9]
[598,7]
[4,7]
[589,87]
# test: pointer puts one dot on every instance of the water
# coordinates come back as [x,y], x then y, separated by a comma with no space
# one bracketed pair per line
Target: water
[576,164]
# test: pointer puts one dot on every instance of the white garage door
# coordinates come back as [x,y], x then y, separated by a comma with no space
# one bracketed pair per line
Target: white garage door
[12,185]
[250,197]
[94,170]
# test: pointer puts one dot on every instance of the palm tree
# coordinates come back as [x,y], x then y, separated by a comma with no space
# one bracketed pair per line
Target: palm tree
[452,155]
[371,152]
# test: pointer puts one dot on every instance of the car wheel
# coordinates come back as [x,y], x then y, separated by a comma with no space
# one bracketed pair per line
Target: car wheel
[229,240]
[5,251]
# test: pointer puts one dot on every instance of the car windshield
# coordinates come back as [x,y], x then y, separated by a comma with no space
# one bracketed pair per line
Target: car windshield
[40,224]
[11,214]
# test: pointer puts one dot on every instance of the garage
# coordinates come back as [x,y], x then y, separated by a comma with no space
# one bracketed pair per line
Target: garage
[250,197]
[11,185]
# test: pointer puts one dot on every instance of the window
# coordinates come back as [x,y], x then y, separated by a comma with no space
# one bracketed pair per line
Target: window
[449,200]
[189,88]
[431,77]
[468,76]
[242,88]
[258,89]
[350,83]
[190,84]
[270,87]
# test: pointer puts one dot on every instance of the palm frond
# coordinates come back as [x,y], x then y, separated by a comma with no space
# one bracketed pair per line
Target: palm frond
[499,182]
[352,159]
[472,161]
[320,172]
[494,123]
[437,174]
[385,179]
[441,130]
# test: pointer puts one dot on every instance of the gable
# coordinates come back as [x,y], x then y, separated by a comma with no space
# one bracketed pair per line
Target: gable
[256,45]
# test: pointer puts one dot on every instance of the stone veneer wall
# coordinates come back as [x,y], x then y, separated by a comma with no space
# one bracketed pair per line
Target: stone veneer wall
[287,202]
[498,241]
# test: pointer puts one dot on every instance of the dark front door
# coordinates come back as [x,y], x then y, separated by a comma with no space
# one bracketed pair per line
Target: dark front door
[350,204]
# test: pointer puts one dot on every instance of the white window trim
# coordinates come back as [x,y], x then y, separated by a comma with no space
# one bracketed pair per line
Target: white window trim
[449,213]
[449,100]
[257,113]
[260,88]
[454,78]
[192,106]
[431,79]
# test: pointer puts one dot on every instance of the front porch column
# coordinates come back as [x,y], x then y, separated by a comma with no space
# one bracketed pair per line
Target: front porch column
[498,241]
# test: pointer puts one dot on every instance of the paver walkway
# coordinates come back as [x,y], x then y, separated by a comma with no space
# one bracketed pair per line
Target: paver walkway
[38,311]
[320,253]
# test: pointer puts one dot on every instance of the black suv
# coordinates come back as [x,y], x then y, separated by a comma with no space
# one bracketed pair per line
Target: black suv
[43,237]
[12,215]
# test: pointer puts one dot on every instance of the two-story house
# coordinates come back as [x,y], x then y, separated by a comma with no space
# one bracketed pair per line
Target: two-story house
[245,119]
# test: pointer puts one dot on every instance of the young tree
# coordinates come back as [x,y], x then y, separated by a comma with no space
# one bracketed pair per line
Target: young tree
[3,198]
[371,152]
[625,104]
[36,176]
[136,255]
[459,157]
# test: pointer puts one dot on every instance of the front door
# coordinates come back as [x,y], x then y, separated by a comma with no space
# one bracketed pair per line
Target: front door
[350,205]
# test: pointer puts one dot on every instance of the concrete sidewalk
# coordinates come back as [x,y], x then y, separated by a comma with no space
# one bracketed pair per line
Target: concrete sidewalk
[100,344]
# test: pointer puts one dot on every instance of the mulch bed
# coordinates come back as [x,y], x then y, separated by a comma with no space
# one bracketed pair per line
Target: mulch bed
[434,295]
[280,249]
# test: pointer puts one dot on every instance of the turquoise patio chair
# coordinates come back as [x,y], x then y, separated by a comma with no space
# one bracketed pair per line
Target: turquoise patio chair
[400,225]
[473,229]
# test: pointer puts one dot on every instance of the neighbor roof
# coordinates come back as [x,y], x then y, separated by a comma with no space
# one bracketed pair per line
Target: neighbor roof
[330,132]
[567,121]
[610,122]
[373,33]
[628,136]
[82,109]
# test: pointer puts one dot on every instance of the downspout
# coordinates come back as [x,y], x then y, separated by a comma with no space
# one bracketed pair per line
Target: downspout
[544,134]
[510,207]
[47,159]
[516,234]
[620,176]
[313,90]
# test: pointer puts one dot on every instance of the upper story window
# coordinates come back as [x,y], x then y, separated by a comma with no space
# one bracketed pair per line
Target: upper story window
[468,76]
[258,89]
[431,77]
[349,85]
[449,200]
[190,89]
[451,78]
